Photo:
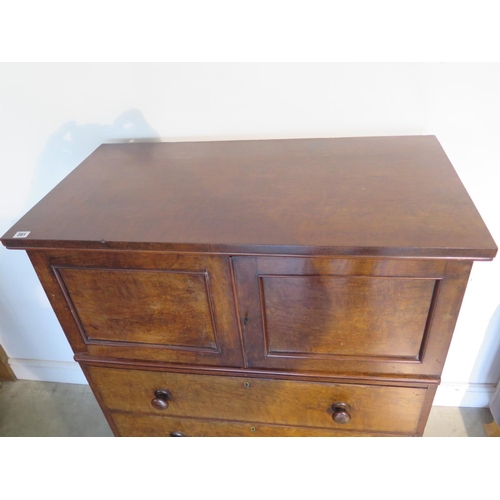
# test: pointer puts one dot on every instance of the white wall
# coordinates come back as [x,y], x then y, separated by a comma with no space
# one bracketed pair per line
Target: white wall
[53,116]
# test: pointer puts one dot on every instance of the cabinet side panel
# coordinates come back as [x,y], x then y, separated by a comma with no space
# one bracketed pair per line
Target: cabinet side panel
[97,394]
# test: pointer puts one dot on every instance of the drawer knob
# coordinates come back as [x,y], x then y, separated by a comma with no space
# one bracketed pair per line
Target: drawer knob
[177,434]
[160,401]
[341,413]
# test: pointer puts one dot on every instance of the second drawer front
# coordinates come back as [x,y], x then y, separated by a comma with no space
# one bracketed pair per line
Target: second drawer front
[152,426]
[372,408]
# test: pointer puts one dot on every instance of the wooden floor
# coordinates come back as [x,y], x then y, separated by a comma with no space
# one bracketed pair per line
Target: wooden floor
[492,429]
[49,409]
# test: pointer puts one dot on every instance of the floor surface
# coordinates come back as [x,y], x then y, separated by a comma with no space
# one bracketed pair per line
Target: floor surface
[49,409]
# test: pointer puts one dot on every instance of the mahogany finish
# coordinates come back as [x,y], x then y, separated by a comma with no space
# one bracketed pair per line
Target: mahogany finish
[355,316]
[259,288]
[133,303]
[139,425]
[373,408]
[152,307]
[379,196]
[385,316]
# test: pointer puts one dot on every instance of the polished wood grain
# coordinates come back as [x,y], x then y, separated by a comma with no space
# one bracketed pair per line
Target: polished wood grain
[401,380]
[378,196]
[142,306]
[429,384]
[426,409]
[372,408]
[130,425]
[303,287]
[348,315]
[356,316]
[163,307]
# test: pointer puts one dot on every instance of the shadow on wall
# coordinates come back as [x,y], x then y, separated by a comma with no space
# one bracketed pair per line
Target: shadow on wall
[487,366]
[34,335]
[71,143]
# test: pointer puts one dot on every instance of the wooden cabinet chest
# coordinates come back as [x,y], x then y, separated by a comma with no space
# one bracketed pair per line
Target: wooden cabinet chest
[259,288]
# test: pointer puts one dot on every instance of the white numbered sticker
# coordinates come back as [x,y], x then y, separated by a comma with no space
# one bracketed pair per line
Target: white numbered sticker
[21,234]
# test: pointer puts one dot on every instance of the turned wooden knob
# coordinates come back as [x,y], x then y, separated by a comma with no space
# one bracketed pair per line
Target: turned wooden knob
[160,401]
[177,434]
[341,413]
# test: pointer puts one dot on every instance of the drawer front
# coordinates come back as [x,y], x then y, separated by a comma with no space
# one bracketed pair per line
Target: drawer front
[371,408]
[154,426]
[173,308]
[348,315]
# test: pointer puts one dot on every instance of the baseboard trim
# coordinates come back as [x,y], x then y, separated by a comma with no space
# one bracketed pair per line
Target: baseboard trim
[67,372]
[464,395]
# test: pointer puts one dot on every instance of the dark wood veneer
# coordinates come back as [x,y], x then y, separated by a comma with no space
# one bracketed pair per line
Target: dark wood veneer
[346,377]
[277,288]
[160,307]
[139,425]
[354,316]
[377,196]
[436,315]
[182,344]
[374,408]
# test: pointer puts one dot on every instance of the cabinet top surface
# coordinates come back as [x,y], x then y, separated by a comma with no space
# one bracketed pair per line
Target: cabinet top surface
[374,196]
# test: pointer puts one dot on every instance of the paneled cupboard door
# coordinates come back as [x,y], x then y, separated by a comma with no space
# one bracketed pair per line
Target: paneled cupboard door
[144,306]
[348,315]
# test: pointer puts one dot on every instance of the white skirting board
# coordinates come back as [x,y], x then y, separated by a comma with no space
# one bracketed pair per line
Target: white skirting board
[495,404]
[464,395]
[48,371]
[448,394]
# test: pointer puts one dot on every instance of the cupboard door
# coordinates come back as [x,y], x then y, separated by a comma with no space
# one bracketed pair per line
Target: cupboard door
[158,307]
[348,315]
